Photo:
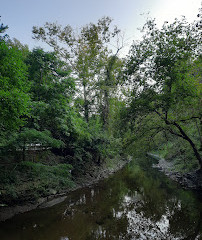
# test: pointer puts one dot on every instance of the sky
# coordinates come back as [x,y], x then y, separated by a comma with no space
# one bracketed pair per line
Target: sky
[128,15]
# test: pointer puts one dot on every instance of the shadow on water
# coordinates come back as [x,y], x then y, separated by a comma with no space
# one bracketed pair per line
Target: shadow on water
[132,204]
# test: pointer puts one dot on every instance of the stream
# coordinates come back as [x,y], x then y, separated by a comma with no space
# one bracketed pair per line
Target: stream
[134,203]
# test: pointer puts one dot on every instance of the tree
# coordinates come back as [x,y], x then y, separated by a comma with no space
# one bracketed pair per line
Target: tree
[15,43]
[3,28]
[166,80]
[51,90]
[88,54]
[108,85]
[14,87]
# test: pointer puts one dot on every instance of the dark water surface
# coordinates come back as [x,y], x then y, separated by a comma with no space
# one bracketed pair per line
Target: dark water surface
[132,204]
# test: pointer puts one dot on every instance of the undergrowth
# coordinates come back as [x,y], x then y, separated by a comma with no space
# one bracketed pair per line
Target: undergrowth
[30,181]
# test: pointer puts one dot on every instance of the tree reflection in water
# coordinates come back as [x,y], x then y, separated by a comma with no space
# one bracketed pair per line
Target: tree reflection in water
[132,204]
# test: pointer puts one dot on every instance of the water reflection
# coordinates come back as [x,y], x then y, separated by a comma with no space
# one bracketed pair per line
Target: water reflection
[132,204]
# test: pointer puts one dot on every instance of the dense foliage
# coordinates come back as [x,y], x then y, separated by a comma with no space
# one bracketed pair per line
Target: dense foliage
[165,70]
[85,104]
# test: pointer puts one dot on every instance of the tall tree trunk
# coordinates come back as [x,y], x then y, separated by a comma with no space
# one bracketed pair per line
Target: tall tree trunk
[86,111]
[187,138]
[106,107]
[184,136]
[106,90]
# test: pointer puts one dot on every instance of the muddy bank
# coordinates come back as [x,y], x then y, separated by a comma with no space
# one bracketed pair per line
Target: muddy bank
[191,180]
[91,176]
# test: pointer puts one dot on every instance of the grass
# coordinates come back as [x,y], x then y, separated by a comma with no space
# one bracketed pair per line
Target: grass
[28,181]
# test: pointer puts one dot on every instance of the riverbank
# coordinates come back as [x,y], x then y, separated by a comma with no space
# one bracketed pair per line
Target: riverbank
[191,180]
[93,173]
[134,203]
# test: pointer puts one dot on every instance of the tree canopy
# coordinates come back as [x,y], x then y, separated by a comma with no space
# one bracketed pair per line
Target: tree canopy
[165,70]
[14,87]
[83,100]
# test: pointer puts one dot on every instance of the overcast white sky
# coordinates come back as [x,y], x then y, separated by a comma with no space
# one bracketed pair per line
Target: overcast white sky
[22,15]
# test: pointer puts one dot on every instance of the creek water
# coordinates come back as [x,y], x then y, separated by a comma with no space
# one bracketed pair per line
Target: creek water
[134,203]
